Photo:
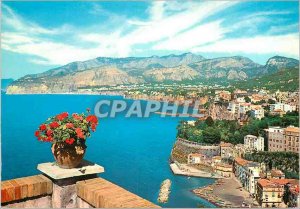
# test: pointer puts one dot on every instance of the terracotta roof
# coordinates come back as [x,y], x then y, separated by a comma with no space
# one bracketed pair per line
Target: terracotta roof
[292,129]
[266,183]
[276,182]
[285,181]
[241,161]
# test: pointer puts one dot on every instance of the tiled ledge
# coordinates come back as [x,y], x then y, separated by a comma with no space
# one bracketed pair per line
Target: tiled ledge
[26,187]
[101,193]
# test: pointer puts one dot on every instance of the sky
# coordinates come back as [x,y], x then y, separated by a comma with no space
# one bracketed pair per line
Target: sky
[37,36]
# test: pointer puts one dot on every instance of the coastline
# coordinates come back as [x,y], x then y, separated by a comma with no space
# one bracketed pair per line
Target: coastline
[226,193]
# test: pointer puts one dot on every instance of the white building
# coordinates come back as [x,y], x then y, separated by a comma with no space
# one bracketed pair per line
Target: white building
[252,176]
[244,107]
[195,158]
[254,143]
[234,108]
[257,111]
[281,106]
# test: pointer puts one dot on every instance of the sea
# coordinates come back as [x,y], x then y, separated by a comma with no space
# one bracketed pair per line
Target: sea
[134,151]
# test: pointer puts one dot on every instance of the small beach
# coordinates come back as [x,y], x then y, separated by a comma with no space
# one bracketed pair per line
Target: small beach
[226,193]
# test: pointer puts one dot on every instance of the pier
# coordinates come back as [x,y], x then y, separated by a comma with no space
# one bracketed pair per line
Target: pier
[164,191]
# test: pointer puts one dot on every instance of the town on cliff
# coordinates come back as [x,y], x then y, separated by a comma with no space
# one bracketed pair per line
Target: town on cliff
[249,142]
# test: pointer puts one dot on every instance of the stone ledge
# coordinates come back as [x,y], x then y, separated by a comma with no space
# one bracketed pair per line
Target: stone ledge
[84,169]
[23,188]
[101,193]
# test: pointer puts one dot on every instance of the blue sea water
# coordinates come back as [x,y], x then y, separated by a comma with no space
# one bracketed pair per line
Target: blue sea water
[134,151]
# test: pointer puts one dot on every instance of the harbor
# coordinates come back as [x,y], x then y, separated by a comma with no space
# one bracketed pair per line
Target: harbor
[185,170]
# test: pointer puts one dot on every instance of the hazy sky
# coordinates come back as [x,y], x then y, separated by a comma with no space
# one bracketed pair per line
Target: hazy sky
[37,36]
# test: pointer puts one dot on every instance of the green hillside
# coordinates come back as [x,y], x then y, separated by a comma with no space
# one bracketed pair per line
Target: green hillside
[284,80]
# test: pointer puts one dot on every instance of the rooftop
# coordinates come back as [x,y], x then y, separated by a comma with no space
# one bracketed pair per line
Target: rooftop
[285,181]
[267,183]
[251,136]
[241,161]
[292,129]
[271,183]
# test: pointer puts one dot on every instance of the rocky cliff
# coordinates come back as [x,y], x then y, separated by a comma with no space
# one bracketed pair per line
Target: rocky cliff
[220,112]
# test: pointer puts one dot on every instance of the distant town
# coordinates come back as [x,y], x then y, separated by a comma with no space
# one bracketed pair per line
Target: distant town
[249,140]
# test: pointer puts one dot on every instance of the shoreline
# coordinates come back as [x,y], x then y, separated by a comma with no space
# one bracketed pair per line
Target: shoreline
[226,193]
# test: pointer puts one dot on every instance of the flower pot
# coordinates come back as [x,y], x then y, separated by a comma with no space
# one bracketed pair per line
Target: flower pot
[68,156]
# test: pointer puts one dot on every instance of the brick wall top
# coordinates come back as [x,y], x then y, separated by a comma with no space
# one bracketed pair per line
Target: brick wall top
[103,194]
[26,187]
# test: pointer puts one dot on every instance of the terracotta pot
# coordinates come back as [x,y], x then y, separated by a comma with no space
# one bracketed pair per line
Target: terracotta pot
[68,156]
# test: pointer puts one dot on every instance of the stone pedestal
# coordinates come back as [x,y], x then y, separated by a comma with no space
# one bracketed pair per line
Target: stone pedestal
[64,181]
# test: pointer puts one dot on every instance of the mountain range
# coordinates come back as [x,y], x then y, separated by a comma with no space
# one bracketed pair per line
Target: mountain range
[105,71]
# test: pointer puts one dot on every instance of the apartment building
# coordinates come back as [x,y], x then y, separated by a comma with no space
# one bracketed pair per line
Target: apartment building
[247,172]
[270,191]
[252,175]
[291,137]
[254,143]
[276,142]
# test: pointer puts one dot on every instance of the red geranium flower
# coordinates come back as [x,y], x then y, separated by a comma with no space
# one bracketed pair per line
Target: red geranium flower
[54,124]
[69,125]
[92,119]
[49,139]
[49,132]
[43,127]
[62,116]
[79,133]
[70,141]
[93,127]
[37,133]
[60,125]
[77,117]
